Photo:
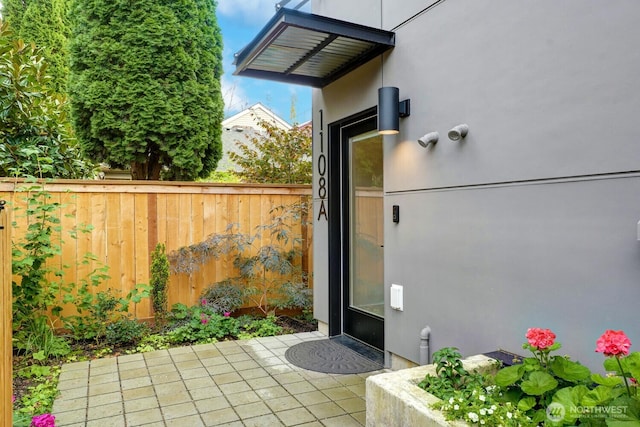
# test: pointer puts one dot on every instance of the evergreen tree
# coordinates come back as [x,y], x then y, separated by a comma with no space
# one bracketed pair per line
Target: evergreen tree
[45,23]
[145,85]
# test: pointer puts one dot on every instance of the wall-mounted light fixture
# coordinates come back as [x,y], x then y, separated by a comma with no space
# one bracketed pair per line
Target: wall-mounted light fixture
[430,138]
[390,109]
[458,132]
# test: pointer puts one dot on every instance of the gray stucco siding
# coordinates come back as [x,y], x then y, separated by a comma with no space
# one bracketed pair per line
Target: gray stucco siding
[532,219]
[481,265]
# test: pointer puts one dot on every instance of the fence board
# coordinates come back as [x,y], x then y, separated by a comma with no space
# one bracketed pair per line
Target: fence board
[6,376]
[130,218]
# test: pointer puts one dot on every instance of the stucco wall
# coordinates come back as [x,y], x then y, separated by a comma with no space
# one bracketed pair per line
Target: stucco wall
[530,221]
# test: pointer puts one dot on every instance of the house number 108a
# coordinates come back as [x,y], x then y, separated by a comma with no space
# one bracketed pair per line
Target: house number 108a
[322,181]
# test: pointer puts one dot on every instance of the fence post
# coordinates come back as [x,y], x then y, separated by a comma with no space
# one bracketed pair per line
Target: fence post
[6,378]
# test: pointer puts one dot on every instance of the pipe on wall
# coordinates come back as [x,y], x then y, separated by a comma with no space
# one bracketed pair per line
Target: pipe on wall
[425,336]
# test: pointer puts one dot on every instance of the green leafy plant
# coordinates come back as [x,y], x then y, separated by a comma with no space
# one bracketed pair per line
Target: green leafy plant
[159,282]
[451,376]
[96,311]
[36,134]
[37,283]
[532,385]
[125,331]
[201,325]
[38,338]
[39,398]
[264,327]
[268,262]
[33,292]
[558,392]
[151,342]
[275,155]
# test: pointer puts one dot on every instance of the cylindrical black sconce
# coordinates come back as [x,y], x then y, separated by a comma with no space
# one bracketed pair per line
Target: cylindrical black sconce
[388,110]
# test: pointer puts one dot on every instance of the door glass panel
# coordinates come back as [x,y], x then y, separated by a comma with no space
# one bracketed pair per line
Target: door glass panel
[366,212]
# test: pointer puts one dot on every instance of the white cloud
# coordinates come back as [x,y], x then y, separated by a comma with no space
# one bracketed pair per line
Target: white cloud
[251,11]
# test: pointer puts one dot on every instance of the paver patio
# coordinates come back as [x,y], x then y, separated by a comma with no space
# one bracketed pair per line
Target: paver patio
[231,383]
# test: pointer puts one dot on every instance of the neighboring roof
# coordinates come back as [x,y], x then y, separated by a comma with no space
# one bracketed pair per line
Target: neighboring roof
[244,127]
[230,137]
[250,116]
[312,50]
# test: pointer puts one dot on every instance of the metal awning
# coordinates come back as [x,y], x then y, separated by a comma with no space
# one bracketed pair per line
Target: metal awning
[311,50]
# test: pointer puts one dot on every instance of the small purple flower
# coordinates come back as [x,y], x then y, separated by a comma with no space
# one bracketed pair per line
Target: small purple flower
[227,313]
[203,302]
[44,420]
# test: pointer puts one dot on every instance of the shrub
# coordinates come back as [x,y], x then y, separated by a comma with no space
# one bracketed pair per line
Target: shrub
[37,336]
[265,327]
[268,262]
[125,331]
[159,282]
[201,325]
[222,297]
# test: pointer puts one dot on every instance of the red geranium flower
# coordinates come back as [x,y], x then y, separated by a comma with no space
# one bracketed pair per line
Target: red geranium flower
[613,343]
[540,338]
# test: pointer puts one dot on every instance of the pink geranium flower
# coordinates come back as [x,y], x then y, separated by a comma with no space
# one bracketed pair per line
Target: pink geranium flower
[540,338]
[613,343]
[227,313]
[203,302]
[44,420]
[204,319]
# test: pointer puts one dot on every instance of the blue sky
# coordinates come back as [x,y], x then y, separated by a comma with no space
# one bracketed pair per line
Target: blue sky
[240,21]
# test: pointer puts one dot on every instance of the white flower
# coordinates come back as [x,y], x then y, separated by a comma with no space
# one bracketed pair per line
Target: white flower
[481,421]
[509,415]
[451,400]
[456,407]
[490,411]
[494,407]
[473,417]
[483,411]
[482,397]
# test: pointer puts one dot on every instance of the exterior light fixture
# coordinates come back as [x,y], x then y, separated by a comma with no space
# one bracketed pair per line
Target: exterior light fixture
[458,132]
[390,109]
[430,138]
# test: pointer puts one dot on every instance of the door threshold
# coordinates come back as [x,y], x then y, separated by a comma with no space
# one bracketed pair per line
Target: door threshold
[364,350]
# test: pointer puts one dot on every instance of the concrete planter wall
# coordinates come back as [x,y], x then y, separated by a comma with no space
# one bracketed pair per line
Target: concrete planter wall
[394,398]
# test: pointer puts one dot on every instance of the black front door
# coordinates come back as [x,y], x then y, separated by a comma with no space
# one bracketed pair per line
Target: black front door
[356,231]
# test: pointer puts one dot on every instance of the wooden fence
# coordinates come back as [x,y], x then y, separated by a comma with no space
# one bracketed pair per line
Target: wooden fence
[6,378]
[130,218]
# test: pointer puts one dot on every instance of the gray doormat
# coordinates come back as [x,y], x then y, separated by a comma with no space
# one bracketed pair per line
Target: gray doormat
[330,356]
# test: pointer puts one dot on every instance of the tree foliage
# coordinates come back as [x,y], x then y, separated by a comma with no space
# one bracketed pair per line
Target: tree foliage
[45,23]
[145,85]
[276,156]
[36,136]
